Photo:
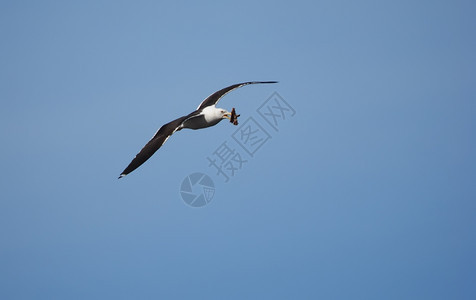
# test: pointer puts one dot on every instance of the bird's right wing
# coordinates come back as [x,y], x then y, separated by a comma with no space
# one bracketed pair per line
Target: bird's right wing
[215,97]
[159,138]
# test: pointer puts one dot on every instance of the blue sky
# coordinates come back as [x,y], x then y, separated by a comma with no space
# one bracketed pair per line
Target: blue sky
[367,192]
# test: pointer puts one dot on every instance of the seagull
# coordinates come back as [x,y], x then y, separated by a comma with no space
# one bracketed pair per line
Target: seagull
[206,115]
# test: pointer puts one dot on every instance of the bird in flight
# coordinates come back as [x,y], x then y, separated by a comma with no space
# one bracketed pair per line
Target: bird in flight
[206,115]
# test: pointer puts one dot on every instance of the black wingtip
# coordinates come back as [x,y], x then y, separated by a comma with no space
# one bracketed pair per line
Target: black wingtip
[120,176]
[266,82]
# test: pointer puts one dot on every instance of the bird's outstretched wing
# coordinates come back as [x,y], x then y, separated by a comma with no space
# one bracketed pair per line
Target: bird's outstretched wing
[215,97]
[159,138]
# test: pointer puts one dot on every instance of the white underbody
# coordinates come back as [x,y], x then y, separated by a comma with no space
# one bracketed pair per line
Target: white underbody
[208,117]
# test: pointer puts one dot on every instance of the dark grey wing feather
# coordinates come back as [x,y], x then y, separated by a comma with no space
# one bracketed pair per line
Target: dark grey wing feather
[153,145]
[215,97]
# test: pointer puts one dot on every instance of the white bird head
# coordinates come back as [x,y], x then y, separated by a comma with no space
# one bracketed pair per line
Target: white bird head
[225,114]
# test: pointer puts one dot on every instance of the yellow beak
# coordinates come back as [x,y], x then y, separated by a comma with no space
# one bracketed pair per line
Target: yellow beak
[227,116]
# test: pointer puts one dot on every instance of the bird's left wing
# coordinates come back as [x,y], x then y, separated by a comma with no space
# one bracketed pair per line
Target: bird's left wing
[215,97]
[153,145]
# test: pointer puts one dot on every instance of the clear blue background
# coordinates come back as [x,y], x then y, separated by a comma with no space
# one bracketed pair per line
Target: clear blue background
[367,193]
